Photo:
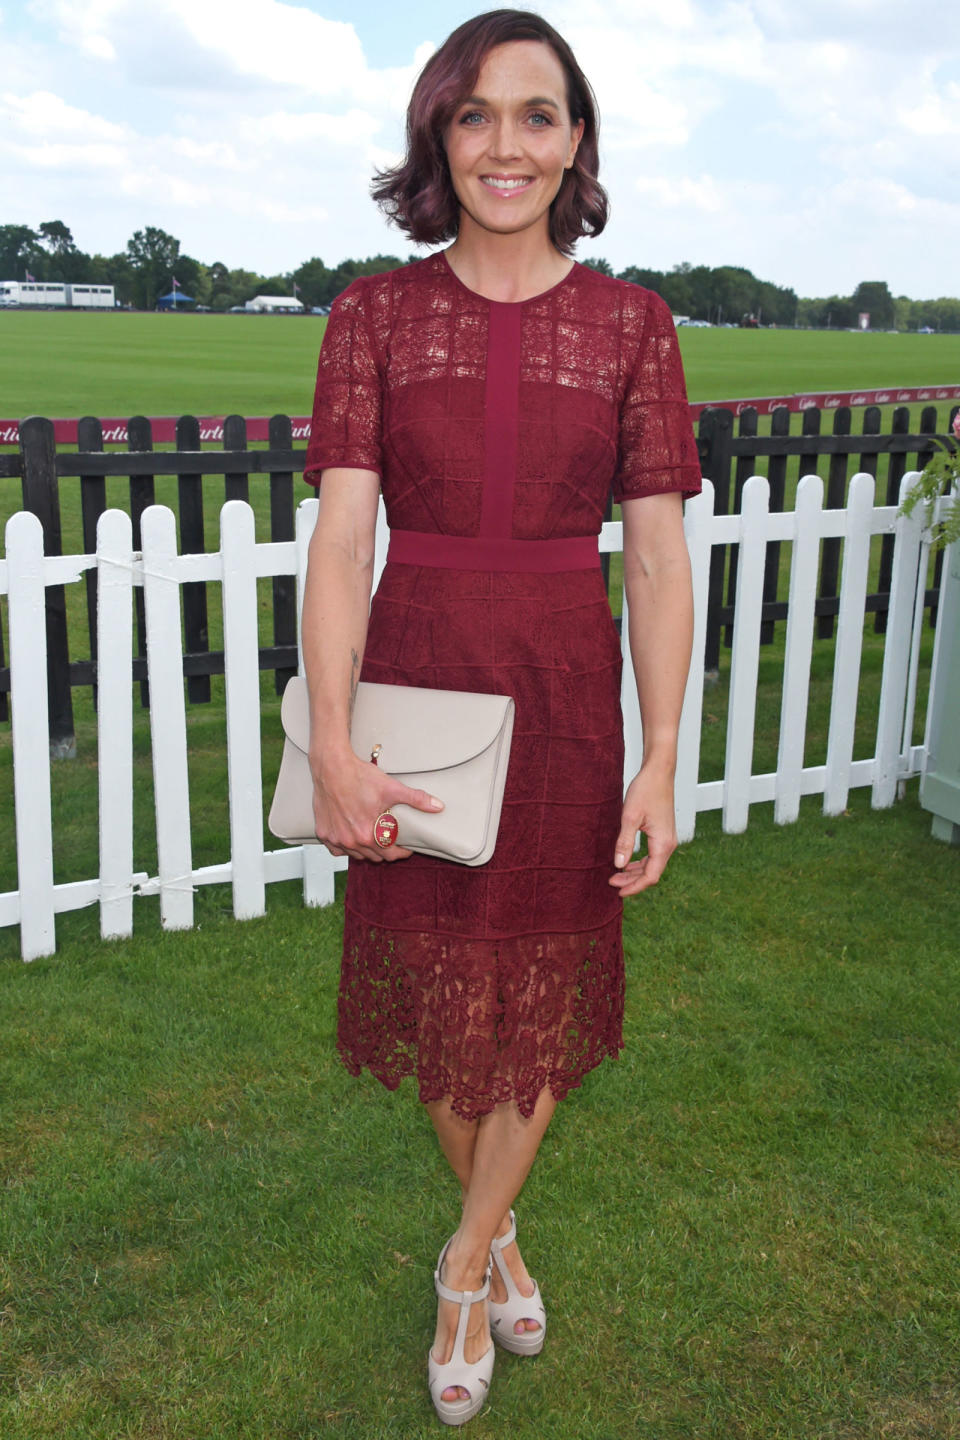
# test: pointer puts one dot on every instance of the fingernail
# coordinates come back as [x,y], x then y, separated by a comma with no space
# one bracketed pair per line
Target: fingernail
[435,804]
[620,860]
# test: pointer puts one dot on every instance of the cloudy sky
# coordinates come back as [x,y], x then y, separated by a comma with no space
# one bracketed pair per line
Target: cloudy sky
[815,141]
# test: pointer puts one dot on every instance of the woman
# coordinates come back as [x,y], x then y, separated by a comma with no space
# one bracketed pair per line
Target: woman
[495,391]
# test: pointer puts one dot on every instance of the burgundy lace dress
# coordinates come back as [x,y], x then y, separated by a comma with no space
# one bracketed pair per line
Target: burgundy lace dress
[496,423]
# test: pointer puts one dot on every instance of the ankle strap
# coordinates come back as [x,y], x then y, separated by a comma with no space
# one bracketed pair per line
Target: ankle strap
[460,1297]
[500,1242]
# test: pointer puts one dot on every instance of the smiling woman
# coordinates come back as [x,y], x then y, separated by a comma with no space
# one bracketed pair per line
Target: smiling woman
[420,194]
[497,393]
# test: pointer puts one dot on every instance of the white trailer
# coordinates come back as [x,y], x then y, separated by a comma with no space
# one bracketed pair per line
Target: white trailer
[90,297]
[53,295]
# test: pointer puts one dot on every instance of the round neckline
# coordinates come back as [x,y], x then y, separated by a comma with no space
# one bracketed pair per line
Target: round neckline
[510,304]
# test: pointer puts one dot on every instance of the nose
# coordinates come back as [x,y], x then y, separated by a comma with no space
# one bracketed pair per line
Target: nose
[505,140]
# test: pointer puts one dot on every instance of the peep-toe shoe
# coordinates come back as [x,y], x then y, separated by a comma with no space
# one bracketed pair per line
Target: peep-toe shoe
[505,1314]
[474,1377]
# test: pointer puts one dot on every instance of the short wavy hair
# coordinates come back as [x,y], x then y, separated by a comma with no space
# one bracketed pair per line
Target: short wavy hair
[418,194]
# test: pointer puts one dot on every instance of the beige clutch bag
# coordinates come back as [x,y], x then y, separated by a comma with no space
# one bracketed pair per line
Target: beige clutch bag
[452,743]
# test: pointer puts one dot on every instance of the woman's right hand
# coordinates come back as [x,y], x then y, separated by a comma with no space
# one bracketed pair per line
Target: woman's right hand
[348,796]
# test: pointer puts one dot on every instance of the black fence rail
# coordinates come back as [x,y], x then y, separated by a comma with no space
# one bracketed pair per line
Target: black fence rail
[730,452]
[45,475]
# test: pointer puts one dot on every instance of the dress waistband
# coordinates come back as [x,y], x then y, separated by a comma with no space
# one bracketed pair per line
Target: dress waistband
[481,552]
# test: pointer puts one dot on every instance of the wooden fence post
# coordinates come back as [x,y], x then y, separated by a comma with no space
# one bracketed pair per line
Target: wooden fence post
[93,502]
[38,459]
[236,484]
[835,496]
[777,479]
[743,469]
[190,493]
[282,528]
[142,489]
[716,434]
[896,469]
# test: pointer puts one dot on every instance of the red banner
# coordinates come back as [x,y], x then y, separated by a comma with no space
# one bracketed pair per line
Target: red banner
[211,426]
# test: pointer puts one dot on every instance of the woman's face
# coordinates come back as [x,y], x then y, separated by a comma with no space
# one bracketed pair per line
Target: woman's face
[509,143]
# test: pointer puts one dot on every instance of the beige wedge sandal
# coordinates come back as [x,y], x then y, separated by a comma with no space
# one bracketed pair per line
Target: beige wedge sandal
[504,1315]
[473,1377]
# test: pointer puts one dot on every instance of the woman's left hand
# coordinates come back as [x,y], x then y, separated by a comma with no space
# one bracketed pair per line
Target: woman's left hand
[647,806]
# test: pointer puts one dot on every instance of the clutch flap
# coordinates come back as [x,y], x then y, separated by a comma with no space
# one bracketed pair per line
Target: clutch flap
[295,713]
[419,730]
[423,730]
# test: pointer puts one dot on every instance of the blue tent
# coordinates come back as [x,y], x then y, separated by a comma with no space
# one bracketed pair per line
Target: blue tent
[175,298]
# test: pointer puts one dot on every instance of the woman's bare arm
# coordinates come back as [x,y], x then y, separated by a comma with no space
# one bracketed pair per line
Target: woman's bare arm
[349,793]
[336,603]
[656,568]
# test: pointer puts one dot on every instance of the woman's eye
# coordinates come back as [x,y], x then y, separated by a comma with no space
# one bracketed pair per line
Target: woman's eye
[538,118]
[472,117]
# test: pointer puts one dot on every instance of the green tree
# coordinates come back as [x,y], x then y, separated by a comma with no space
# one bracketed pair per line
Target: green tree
[114,270]
[873,296]
[602,267]
[675,288]
[193,278]
[62,260]
[19,251]
[348,271]
[153,258]
[649,279]
[57,239]
[313,281]
[232,287]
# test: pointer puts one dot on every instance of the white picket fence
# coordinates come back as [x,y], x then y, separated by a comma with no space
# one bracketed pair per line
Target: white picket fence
[239,564]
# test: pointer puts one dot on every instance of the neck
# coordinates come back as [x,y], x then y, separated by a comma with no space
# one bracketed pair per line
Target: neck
[506,267]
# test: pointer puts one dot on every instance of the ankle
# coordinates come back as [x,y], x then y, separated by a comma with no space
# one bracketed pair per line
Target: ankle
[466,1262]
[504,1226]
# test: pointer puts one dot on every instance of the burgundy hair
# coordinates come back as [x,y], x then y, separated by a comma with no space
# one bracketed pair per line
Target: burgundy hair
[418,194]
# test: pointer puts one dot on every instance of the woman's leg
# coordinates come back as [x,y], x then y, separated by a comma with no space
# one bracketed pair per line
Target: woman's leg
[491,1158]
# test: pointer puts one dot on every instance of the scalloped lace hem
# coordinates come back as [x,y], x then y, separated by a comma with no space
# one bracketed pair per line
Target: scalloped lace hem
[480,1023]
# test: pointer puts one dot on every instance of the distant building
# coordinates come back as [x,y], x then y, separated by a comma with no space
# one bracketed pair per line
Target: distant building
[275,304]
[49,295]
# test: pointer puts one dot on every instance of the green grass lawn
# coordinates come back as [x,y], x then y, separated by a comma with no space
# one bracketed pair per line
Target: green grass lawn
[747,1228]
[128,364]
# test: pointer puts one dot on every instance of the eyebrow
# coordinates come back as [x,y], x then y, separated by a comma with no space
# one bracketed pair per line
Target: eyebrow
[537,100]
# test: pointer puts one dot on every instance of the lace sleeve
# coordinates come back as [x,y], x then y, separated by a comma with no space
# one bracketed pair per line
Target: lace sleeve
[657,450]
[348,403]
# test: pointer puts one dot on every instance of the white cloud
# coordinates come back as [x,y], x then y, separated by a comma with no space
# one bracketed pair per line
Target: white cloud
[701,194]
[813,143]
[43,115]
[353,130]
[211,44]
[936,114]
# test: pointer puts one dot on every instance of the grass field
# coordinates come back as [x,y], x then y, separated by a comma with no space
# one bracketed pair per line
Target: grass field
[129,364]
[746,1229]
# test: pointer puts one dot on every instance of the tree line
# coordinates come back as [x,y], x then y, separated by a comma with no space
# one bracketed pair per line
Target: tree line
[153,259]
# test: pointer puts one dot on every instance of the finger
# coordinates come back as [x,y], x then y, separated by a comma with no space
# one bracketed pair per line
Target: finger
[640,875]
[625,846]
[416,799]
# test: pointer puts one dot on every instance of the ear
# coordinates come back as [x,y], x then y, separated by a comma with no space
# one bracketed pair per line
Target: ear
[575,139]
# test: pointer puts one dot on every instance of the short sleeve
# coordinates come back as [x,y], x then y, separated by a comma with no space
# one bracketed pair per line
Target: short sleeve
[657,450]
[348,402]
